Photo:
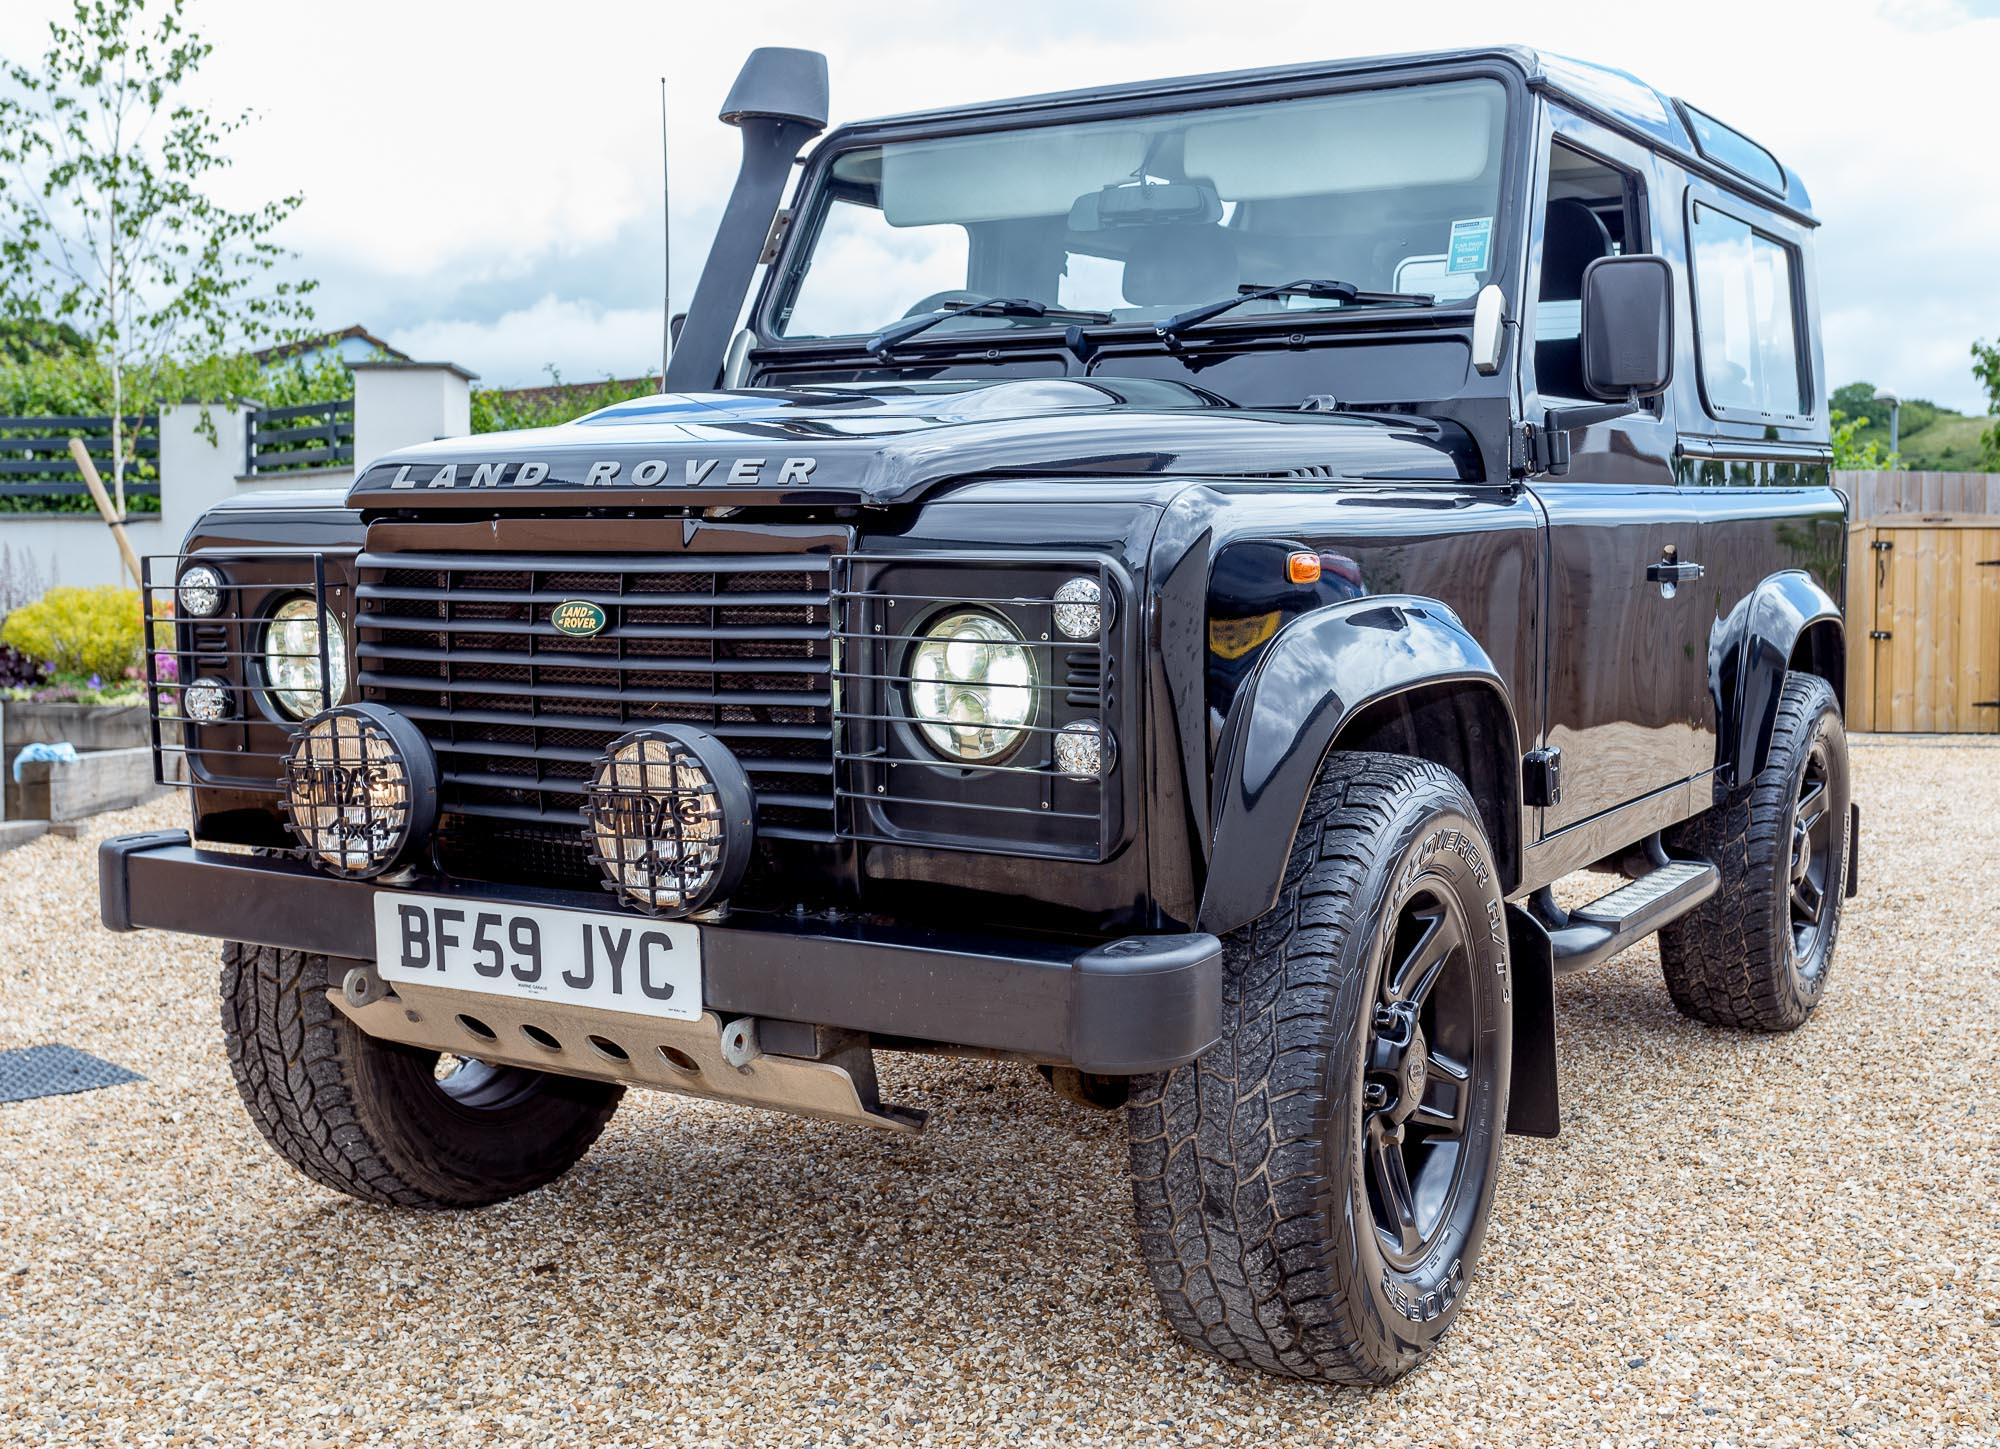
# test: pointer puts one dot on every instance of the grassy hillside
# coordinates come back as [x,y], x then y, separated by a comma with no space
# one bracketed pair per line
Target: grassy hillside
[1950,444]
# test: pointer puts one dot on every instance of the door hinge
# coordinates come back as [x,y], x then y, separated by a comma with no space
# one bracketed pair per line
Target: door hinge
[1541,777]
[1533,448]
[776,238]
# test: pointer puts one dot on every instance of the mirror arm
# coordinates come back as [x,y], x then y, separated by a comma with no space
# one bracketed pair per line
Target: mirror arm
[1545,449]
[1568,420]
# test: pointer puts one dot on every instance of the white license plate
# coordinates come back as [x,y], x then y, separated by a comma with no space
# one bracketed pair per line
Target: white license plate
[580,958]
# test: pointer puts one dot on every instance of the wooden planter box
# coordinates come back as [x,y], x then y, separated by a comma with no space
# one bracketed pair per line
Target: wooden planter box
[115,768]
[99,781]
[86,726]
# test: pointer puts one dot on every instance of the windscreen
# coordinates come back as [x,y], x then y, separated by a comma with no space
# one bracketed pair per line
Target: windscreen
[1137,218]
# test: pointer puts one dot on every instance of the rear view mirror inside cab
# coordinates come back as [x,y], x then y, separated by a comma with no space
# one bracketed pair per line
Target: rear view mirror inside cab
[1628,326]
[1146,203]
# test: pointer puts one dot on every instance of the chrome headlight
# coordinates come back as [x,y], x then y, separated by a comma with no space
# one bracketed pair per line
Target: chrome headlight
[291,658]
[972,686]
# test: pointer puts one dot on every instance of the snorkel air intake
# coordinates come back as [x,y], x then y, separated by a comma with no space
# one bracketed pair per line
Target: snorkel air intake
[779,102]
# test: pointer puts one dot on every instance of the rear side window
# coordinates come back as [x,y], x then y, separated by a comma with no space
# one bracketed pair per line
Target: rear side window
[1746,318]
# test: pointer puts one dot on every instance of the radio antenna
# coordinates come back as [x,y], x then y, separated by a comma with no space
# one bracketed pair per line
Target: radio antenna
[667,251]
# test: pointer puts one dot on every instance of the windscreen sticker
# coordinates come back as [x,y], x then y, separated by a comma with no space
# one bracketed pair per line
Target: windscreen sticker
[1471,244]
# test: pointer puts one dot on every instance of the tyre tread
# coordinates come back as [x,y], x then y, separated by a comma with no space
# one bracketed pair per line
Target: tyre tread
[285,1042]
[1723,963]
[1227,1192]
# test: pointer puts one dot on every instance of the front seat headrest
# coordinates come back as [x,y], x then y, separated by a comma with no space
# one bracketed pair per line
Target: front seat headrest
[1573,238]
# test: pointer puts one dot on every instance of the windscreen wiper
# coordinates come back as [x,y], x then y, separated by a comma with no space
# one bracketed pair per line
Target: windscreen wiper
[890,338]
[1346,293]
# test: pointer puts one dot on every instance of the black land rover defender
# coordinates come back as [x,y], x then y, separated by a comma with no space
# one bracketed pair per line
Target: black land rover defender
[1153,582]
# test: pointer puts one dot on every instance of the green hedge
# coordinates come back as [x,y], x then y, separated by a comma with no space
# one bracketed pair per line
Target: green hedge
[495,411]
[61,384]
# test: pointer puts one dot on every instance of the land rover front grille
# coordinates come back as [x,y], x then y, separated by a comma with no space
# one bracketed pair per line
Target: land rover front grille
[739,646]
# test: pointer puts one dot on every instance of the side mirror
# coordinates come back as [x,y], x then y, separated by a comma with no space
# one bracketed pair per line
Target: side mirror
[1628,326]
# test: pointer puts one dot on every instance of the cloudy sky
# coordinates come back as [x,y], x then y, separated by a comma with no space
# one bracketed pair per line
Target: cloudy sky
[482,181]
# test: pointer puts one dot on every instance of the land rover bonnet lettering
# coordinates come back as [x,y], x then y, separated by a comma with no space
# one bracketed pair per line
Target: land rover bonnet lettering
[612,473]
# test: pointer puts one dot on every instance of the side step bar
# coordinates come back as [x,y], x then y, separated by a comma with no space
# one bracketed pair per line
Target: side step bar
[1590,934]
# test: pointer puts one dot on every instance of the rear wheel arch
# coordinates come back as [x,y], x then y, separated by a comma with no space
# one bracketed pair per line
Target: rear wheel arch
[1787,624]
[1822,649]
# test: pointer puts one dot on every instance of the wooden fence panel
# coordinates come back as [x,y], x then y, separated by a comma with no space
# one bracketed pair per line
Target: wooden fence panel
[1874,495]
[1923,569]
[1861,708]
[1902,612]
[1934,594]
[1979,648]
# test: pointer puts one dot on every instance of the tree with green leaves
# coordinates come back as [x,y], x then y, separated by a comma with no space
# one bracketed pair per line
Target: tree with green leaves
[1851,453]
[1857,400]
[105,222]
[1986,368]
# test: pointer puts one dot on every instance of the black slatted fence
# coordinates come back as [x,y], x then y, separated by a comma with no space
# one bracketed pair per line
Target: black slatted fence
[311,435]
[35,461]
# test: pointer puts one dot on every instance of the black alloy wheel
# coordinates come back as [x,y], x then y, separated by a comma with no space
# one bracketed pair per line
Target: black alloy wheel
[1815,849]
[1423,1050]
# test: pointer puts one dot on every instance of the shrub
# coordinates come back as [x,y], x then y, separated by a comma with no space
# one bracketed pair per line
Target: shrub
[497,410]
[17,670]
[79,632]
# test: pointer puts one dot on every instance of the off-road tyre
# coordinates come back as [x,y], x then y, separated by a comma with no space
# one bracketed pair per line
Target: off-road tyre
[1740,958]
[1253,1172]
[371,1118]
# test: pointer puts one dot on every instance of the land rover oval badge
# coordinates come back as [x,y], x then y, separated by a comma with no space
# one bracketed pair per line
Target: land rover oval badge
[578,618]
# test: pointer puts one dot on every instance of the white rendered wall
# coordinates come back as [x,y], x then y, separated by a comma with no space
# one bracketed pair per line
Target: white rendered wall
[400,403]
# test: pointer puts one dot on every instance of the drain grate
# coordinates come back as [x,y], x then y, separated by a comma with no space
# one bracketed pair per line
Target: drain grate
[51,1071]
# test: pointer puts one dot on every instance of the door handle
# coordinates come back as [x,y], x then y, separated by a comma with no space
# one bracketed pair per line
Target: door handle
[1669,572]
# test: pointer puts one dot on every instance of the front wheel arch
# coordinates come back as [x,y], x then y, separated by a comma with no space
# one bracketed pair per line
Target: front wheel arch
[1374,673]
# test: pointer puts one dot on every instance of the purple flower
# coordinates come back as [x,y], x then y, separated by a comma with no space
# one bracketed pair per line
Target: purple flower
[95,682]
[167,667]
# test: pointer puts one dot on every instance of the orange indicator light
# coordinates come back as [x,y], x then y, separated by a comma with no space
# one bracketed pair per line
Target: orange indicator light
[1303,568]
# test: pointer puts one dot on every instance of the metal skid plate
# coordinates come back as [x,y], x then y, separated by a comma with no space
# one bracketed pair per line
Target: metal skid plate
[615,1046]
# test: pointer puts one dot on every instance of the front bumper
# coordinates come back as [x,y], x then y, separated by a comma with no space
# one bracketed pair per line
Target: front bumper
[1138,1004]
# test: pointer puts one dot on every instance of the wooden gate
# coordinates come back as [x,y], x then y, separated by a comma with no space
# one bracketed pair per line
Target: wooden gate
[1923,625]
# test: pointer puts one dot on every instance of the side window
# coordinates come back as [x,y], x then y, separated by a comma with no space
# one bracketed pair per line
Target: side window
[1745,314]
[1595,210]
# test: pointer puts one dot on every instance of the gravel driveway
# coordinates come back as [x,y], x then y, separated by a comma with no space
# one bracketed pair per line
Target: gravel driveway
[1789,1240]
